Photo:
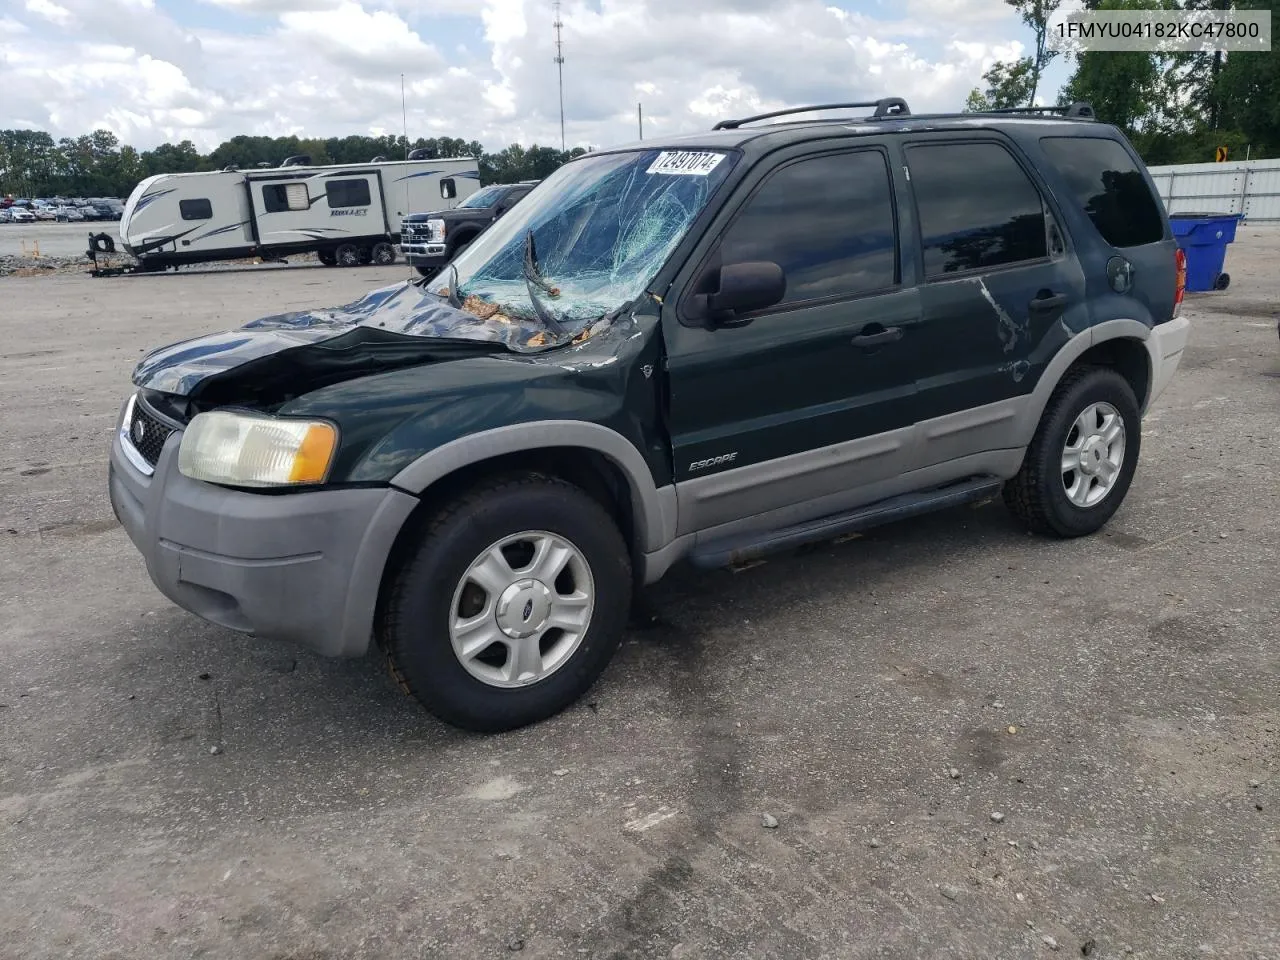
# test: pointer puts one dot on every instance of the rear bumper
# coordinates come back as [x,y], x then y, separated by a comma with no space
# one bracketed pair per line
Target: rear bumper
[299,567]
[1165,347]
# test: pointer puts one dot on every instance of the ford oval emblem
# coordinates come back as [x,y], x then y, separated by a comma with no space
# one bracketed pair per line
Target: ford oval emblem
[139,431]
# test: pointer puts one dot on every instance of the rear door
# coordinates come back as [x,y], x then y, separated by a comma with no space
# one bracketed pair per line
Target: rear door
[1000,291]
[814,396]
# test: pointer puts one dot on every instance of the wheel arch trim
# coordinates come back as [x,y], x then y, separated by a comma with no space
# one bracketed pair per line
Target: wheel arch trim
[1109,330]
[654,508]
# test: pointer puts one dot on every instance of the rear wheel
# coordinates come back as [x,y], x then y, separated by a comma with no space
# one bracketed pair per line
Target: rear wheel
[1082,459]
[384,254]
[347,255]
[326,257]
[511,606]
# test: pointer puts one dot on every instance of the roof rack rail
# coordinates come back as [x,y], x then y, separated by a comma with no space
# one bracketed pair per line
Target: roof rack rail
[885,107]
[1078,109]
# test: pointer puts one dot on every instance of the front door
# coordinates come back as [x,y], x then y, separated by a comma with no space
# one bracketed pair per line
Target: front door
[999,292]
[812,397]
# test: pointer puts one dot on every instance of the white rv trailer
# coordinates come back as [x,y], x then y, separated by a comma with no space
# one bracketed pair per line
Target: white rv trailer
[347,213]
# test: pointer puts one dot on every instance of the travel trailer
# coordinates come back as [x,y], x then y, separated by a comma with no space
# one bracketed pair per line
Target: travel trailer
[347,214]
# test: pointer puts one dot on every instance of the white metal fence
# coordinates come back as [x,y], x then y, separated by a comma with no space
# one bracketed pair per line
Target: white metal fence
[1250,187]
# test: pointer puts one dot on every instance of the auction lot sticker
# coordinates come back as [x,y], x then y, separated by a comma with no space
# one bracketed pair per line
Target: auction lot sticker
[687,163]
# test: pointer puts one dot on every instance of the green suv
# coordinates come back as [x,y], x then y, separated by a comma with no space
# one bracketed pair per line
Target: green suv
[701,349]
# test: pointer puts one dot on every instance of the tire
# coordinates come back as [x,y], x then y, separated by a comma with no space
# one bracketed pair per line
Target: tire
[347,255]
[1222,281]
[383,254]
[326,257]
[491,691]
[1041,495]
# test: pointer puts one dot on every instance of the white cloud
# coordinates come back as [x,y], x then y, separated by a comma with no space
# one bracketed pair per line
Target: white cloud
[270,7]
[50,11]
[332,67]
[350,34]
[10,27]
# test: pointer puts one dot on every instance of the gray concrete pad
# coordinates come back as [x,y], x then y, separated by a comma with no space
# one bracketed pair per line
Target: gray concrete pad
[1116,699]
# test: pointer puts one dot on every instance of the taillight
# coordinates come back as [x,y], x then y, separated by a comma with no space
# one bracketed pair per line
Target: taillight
[1180,282]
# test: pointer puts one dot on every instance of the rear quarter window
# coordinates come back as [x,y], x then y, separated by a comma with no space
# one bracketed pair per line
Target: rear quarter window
[1109,187]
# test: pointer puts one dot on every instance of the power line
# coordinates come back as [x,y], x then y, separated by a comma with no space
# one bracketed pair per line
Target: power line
[559,60]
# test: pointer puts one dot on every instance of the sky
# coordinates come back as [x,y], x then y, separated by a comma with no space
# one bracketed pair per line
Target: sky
[155,71]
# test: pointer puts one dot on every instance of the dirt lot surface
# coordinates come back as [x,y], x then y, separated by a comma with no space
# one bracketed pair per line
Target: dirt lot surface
[975,743]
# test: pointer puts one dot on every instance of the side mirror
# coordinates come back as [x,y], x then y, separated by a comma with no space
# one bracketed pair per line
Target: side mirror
[742,288]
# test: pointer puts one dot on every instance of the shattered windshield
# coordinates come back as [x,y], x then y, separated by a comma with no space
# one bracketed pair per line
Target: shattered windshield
[483,198]
[585,242]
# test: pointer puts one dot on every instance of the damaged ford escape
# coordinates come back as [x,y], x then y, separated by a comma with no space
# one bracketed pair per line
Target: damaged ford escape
[702,349]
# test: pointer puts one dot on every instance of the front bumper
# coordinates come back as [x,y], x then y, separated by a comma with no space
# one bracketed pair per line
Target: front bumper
[1165,347]
[300,567]
[421,253]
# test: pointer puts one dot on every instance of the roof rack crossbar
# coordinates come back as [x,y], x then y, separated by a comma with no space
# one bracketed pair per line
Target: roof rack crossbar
[1077,109]
[884,107]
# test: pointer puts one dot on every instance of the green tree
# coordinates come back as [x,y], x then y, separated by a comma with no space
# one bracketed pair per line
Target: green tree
[171,158]
[1008,85]
[1035,15]
[1249,87]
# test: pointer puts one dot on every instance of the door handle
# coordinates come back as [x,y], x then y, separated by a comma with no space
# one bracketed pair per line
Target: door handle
[1048,301]
[878,338]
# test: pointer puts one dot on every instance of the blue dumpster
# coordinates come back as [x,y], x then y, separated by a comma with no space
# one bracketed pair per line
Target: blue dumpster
[1203,237]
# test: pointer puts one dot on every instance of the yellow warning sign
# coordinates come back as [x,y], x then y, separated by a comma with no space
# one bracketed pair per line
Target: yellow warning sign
[1220,155]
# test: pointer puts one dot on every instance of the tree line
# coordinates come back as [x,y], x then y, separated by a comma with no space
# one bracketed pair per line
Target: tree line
[33,164]
[1176,107]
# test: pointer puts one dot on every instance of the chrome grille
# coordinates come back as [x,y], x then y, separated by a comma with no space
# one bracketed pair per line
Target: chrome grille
[413,233]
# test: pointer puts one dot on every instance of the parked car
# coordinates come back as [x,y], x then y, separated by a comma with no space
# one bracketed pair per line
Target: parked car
[430,240]
[69,214]
[5,215]
[703,348]
[21,215]
[44,213]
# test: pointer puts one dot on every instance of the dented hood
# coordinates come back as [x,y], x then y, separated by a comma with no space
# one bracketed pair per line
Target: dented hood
[276,358]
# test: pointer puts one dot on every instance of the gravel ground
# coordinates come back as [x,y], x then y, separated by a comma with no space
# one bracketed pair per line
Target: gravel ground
[943,739]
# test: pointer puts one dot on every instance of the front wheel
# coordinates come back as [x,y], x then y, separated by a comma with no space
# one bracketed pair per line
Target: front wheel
[511,606]
[384,254]
[1082,459]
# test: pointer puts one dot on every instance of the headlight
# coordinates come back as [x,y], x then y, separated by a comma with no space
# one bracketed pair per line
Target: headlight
[435,230]
[255,451]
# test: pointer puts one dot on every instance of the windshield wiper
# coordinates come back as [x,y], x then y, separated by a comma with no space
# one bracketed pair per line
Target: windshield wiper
[533,278]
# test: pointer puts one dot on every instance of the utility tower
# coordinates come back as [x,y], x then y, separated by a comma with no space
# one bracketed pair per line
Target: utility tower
[559,25]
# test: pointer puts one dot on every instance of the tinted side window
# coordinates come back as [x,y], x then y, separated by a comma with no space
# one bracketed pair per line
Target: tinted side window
[274,199]
[977,207]
[1109,187]
[828,222]
[195,209]
[277,197]
[348,193]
